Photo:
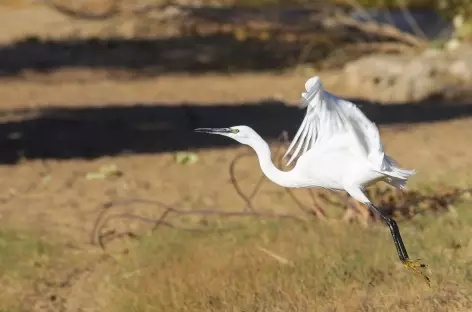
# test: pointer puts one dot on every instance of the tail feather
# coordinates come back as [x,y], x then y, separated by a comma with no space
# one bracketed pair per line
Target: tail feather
[397,183]
[396,177]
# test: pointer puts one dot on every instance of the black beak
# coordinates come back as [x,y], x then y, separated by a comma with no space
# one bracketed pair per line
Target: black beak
[213,130]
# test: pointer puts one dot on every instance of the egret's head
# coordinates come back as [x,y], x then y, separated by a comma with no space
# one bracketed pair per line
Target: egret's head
[242,134]
[313,86]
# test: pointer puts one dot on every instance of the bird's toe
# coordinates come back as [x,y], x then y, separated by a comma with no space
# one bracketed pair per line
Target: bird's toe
[415,266]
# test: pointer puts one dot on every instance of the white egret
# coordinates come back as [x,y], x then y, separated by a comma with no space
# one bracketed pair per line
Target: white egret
[339,148]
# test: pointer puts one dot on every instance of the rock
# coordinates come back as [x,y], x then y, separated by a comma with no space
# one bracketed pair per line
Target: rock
[396,79]
[392,79]
[462,69]
[460,66]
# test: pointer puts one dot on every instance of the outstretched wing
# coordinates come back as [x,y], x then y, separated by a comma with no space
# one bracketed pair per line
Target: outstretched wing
[328,115]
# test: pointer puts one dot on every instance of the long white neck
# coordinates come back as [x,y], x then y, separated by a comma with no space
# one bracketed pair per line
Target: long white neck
[283,178]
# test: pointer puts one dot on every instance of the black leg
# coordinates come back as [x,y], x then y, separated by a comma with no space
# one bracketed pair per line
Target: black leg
[414,265]
[397,238]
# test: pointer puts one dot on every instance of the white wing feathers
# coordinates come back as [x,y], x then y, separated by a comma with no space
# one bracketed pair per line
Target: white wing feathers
[328,115]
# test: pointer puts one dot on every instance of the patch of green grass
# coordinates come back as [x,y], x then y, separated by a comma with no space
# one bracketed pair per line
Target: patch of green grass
[15,247]
[22,256]
[314,266]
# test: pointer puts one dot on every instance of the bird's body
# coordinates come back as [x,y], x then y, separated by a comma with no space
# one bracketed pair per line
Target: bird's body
[333,166]
[315,167]
[338,148]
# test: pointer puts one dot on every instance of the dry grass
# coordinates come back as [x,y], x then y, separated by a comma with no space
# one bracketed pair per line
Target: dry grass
[319,267]
[262,265]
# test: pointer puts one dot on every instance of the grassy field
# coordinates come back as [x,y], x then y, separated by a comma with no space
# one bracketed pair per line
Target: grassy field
[262,265]
[323,268]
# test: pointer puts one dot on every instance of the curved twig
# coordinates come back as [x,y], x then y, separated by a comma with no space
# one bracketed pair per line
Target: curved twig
[234,181]
[317,211]
[248,199]
[383,30]
[113,235]
[112,11]
[102,220]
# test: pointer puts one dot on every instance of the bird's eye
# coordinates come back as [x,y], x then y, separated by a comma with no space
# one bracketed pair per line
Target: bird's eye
[234,131]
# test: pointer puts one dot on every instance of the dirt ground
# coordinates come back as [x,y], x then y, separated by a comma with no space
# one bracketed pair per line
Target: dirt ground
[59,127]
[54,134]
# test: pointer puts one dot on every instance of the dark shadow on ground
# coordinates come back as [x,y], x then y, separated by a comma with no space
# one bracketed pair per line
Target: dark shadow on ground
[150,57]
[196,53]
[63,133]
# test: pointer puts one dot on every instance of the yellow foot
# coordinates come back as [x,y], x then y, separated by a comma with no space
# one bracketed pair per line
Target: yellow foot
[415,266]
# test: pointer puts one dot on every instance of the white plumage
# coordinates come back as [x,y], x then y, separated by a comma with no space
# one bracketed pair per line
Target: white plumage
[336,126]
[337,148]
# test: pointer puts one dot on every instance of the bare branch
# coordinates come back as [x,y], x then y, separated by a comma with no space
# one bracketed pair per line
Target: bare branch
[248,199]
[112,10]
[317,208]
[234,181]
[411,20]
[386,31]
[387,47]
[317,211]
[113,235]
[102,220]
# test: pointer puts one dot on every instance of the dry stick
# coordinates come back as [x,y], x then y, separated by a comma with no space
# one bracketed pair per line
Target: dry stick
[234,181]
[410,20]
[355,4]
[305,209]
[372,27]
[155,222]
[97,225]
[302,207]
[359,7]
[161,218]
[378,46]
[101,221]
[381,30]
[387,11]
[347,203]
[317,211]
[74,274]
[306,50]
[109,236]
[160,221]
[248,200]
[112,11]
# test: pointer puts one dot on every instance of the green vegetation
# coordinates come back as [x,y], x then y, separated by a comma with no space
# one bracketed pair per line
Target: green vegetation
[22,258]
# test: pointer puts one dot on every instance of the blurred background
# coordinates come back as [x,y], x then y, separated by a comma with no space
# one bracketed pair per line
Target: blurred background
[110,202]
